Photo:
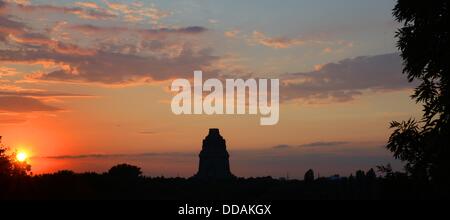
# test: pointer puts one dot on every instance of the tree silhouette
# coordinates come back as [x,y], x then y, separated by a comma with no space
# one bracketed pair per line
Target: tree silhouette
[5,162]
[360,175]
[371,175]
[125,171]
[309,176]
[9,166]
[424,41]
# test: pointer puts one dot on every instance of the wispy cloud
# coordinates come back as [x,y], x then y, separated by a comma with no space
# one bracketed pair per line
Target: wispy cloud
[41,93]
[326,44]
[15,99]
[346,79]
[106,156]
[8,71]
[313,144]
[155,32]
[148,132]
[11,119]
[92,5]
[213,21]
[19,2]
[232,33]
[324,144]
[24,104]
[112,68]
[81,12]
[137,12]
[282,146]
[275,42]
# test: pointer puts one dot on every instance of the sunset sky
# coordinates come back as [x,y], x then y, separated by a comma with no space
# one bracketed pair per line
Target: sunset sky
[85,85]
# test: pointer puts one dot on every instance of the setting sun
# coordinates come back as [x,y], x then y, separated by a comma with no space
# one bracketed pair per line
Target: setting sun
[21,156]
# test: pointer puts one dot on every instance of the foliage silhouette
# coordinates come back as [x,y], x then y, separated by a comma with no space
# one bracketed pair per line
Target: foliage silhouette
[424,41]
[309,176]
[125,171]
[9,166]
[371,175]
[69,185]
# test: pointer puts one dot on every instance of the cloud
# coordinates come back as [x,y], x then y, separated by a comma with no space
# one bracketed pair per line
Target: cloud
[14,99]
[7,71]
[13,90]
[8,26]
[18,34]
[131,12]
[148,132]
[16,102]
[346,79]
[112,68]
[84,156]
[185,30]
[282,146]
[109,55]
[19,2]
[44,94]
[283,42]
[42,40]
[137,12]
[232,33]
[159,42]
[106,156]
[276,43]
[325,144]
[213,21]
[11,119]
[81,12]
[313,144]
[88,28]
[92,5]
[24,104]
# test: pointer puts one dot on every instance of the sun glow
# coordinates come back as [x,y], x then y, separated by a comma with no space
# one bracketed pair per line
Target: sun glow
[21,156]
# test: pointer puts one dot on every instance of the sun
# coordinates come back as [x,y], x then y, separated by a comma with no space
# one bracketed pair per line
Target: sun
[21,156]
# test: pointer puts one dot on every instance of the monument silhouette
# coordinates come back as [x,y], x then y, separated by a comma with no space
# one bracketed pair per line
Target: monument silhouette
[214,163]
